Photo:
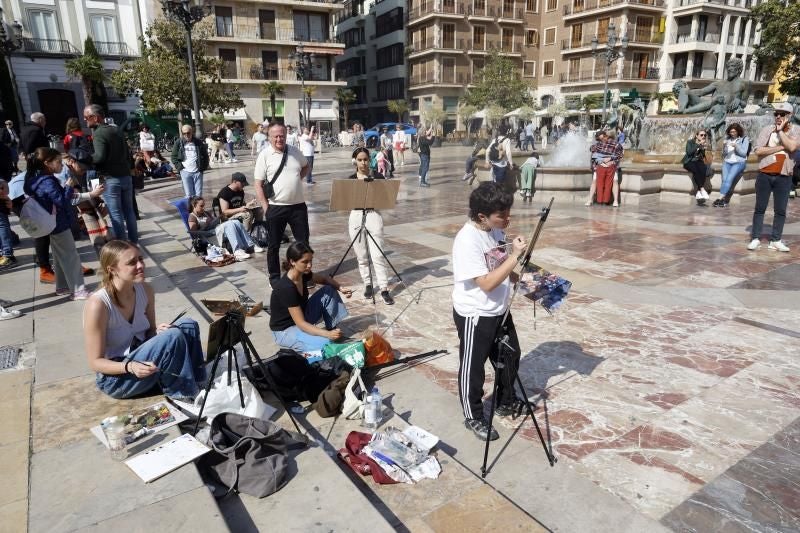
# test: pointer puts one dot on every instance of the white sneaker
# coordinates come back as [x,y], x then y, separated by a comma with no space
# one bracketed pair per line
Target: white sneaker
[705,194]
[778,245]
[241,255]
[6,314]
[755,244]
[257,249]
[234,160]
[699,195]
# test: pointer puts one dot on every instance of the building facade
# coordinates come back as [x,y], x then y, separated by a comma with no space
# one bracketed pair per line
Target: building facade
[449,40]
[373,63]
[255,39]
[54,31]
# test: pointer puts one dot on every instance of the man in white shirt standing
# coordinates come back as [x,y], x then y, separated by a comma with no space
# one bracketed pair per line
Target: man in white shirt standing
[291,136]
[307,142]
[230,138]
[282,168]
[529,142]
[386,146]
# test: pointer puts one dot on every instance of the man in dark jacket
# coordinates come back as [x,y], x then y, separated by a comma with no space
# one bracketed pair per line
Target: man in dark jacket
[10,138]
[32,135]
[190,159]
[111,160]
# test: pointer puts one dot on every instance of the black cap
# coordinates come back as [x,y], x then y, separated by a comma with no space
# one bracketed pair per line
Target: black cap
[238,176]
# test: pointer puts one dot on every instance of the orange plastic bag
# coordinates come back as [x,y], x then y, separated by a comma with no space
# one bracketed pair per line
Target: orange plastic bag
[379,351]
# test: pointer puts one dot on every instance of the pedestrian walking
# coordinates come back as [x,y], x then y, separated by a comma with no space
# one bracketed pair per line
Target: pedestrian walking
[190,159]
[307,145]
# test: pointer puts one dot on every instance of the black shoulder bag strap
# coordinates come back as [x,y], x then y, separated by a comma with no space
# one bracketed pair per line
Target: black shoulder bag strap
[280,167]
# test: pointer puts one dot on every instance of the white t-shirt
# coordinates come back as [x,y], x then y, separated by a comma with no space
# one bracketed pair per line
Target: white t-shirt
[469,262]
[259,140]
[307,145]
[291,140]
[190,157]
[289,185]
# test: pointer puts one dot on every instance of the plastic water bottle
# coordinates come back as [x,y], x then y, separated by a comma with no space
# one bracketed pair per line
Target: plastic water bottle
[373,410]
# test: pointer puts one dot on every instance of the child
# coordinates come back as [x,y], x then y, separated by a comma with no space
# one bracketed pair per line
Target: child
[528,172]
[6,239]
[480,298]
[381,161]
[478,151]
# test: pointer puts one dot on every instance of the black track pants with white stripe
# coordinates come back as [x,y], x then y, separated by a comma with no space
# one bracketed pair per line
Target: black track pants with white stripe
[476,337]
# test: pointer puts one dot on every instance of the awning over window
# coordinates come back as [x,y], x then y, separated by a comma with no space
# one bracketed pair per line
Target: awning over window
[322,114]
[323,50]
[235,114]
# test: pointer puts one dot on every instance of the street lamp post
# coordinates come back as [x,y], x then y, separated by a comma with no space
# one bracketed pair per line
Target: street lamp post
[613,51]
[188,15]
[303,65]
[11,41]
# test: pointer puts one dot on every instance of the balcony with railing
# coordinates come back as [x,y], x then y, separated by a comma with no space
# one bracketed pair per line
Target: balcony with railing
[254,70]
[511,16]
[33,45]
[741,4]
[630,71]
[581,7]
[708,38]
[271,33]
[441,76]
[437,8]
[510,47]
[441,44]
[113,49]
[483,12]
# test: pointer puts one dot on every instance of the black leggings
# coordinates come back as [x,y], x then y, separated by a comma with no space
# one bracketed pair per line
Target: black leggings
[698,171]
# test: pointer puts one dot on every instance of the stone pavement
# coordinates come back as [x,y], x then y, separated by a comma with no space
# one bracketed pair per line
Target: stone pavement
[668,385]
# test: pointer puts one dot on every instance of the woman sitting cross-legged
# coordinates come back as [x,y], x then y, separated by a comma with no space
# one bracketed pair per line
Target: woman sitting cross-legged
[204,224]
[294,313]
[131,354]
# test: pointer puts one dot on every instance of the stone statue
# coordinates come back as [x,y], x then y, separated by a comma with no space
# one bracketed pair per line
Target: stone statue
[733,89]
[714,120]
[795,101]
[612,122]
[633,126]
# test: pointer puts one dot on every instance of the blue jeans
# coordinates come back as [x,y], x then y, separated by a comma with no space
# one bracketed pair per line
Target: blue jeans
[5,236]
[779,186]
[424,165]
[324,304]
[309,177]
[119,200]
[498,173]
[236,235]
[730,171]
[229,148]
[176,352]
[192,183]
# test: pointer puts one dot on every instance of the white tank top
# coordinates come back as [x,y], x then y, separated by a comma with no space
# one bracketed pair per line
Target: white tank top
[120,332]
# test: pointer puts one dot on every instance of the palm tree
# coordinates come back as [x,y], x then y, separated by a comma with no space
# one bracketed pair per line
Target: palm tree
[345,97]
[272,89]
[89,69]
[399,107]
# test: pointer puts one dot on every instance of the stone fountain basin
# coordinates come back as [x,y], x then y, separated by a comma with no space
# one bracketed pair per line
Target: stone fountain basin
[669,181]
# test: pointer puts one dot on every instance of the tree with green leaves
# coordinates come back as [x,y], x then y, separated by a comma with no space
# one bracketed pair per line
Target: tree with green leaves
[88,68]
[161,73]
[398,107]
[779,49]
[660,98]
[465,113]
[345,97]
[272,89]
[434,117]
[500,83]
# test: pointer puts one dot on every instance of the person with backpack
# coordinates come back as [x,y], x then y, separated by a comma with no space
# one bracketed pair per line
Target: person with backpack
[112,162]
[43,187]
[75,138]
[499,155]
[735,149]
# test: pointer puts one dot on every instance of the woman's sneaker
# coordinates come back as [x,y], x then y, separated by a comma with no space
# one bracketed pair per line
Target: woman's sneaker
[63,291]
[81,294]
[755,244]
[241,255]
[8,314]
[778,245]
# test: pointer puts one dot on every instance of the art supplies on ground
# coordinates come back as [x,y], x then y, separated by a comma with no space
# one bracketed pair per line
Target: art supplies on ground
[165,458]
[144,422]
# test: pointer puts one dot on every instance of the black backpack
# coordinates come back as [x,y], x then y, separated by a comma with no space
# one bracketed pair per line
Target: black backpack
[494,149]
[259,233]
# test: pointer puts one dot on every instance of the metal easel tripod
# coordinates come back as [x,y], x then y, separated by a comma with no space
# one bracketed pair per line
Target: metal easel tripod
[505,353]
[233,333]
[364,233]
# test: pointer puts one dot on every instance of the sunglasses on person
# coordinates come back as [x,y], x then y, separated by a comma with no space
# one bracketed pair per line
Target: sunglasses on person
[781,114]
[701,134]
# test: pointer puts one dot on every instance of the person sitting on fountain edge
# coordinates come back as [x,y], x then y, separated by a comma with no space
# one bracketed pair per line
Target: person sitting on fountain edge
[480,298]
